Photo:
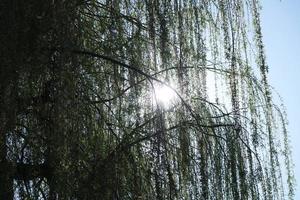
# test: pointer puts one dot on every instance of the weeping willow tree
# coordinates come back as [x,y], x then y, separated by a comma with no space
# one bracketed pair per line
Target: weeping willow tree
[83,110]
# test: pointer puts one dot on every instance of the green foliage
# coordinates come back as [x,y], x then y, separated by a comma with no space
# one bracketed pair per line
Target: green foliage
[79,119]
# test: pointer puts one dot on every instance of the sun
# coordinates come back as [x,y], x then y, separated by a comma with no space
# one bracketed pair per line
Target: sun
[164,95]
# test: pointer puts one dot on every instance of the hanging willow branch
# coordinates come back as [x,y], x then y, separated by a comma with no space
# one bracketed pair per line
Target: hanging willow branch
[80,115]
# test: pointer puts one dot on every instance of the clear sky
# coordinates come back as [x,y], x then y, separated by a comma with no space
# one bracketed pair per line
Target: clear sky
[281,30]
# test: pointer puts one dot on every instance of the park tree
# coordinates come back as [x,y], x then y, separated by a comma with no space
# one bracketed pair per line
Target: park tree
[134,99]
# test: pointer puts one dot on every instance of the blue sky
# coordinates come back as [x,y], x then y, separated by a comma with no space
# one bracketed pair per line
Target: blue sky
[281,30]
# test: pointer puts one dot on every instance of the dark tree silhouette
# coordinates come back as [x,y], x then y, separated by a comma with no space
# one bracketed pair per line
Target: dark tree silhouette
[133,99]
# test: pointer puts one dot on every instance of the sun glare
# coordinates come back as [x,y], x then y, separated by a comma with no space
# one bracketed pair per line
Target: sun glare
[164,95]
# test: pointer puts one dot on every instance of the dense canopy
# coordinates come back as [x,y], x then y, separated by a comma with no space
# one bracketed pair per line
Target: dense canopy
[82,109]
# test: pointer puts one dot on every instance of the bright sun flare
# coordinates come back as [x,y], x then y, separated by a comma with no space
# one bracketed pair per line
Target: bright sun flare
[164,95]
